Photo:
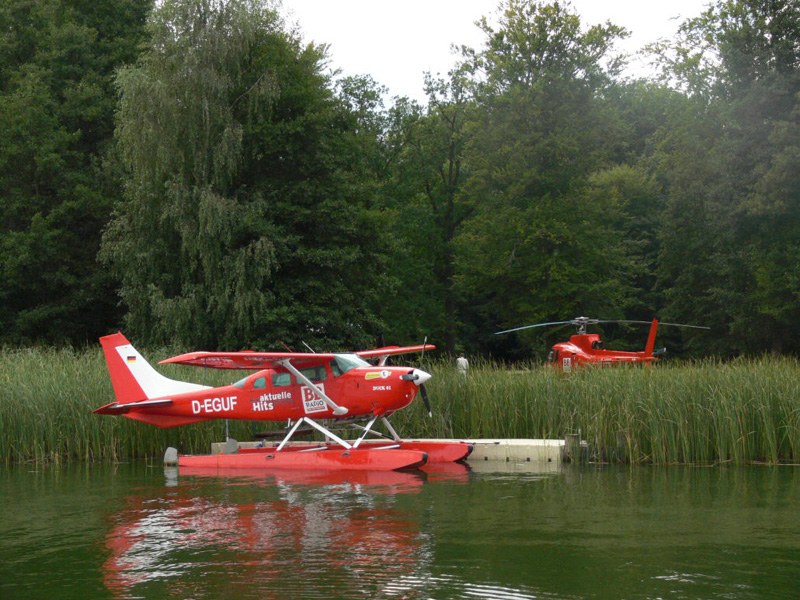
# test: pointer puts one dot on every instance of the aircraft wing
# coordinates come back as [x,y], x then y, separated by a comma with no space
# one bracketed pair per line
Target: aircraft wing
[264,360]
[390,350]
[248,359]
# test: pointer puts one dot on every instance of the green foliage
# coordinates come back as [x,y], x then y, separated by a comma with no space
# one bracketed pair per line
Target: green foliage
[731,224]
[246,219]
[539,245]
[242,198]
[56,115]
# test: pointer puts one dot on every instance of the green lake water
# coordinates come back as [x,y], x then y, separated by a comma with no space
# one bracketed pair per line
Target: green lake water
[494,531]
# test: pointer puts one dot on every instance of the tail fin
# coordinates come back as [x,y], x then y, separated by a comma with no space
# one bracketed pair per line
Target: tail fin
[651,340]
[133,378]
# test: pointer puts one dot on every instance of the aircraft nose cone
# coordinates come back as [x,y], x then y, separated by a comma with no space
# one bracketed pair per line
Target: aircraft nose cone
[419,376]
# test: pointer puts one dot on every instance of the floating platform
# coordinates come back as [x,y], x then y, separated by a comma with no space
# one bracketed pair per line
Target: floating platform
[437,451]
[517,450]
[366,459]
[369,456]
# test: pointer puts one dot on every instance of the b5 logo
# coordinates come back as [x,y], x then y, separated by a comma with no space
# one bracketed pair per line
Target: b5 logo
[308,394]
[311,401]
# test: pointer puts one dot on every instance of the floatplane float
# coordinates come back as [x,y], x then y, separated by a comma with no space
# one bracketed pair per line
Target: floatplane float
[315,391]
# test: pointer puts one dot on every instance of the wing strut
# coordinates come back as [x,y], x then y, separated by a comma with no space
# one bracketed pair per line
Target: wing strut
[337,410]
[316,426]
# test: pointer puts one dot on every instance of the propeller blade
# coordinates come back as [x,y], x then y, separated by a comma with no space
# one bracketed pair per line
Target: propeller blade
[425,400]
[421,383]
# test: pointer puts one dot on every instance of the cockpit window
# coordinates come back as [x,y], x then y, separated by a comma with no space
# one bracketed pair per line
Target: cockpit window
[342,363]
[258,384]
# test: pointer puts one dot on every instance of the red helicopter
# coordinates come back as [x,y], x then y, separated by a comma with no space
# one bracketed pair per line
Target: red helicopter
[301,389]
[587,348]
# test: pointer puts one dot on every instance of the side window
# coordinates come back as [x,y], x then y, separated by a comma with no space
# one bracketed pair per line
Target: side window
[260,383]
[281,379]
[315,373]
[335,368]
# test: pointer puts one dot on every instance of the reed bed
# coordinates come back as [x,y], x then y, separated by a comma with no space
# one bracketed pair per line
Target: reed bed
[46,401]
[705,412]
[741,411]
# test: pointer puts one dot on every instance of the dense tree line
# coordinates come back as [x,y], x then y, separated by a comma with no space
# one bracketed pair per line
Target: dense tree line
[192,172]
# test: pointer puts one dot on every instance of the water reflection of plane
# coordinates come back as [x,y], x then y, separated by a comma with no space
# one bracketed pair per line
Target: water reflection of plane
[380,481]
[274,533]
[393,481]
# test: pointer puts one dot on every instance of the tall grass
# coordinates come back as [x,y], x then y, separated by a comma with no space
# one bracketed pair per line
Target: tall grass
[742,411]
[46,402]
[704,412]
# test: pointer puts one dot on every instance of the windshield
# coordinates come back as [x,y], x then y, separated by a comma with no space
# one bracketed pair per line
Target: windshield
[342,363]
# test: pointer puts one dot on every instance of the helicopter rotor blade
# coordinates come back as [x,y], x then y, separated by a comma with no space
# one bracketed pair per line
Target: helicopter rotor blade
[536,325]
[582,322]
[684,325]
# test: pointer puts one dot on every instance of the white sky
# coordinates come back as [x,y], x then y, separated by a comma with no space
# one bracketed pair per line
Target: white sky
[397,41]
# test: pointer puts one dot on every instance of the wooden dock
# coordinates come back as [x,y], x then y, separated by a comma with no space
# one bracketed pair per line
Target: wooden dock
[517,450]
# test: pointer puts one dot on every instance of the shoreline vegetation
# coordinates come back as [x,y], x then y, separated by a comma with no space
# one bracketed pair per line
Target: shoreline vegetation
[742,411]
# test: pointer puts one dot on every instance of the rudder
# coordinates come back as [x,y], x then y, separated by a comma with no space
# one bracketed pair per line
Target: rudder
[133,378]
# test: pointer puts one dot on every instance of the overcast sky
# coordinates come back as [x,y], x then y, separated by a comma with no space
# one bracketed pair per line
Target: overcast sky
[396,42]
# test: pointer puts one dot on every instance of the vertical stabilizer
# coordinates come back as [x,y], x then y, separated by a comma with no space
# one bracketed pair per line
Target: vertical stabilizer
[651,340]
[133,378]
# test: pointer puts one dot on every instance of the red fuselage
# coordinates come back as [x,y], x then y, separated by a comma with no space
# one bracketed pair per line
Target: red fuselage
[587,348]
[276,395]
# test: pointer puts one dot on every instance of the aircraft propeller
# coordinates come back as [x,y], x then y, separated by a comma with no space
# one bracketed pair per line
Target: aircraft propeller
[419,377]
[423,392]
[418,374]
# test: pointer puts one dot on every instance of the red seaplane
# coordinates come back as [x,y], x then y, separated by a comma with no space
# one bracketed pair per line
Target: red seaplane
[301,389]
[587,348]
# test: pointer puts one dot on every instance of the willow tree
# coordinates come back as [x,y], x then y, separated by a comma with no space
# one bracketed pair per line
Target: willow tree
[243,221]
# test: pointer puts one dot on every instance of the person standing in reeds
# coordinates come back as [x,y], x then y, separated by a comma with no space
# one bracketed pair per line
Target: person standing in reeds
[462,365]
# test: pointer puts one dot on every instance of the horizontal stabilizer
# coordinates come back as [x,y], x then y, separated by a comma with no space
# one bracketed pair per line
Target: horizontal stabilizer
[120,409]
[163,421]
